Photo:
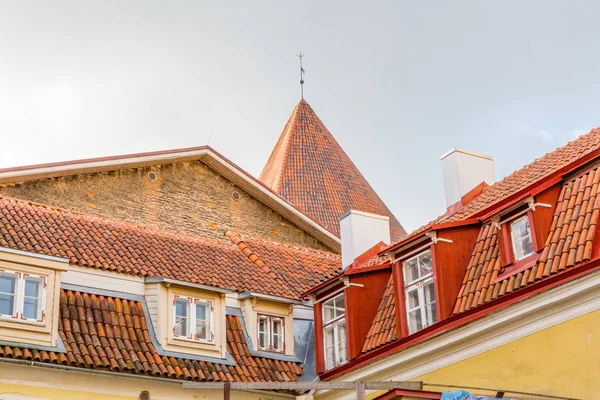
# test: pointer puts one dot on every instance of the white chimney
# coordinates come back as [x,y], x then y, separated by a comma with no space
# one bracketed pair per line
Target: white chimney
[360,231]
[463,170]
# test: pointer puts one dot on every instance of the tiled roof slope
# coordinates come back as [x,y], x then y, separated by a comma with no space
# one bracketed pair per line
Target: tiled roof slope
[310,169]
[297,266]
[383,328]
[523,178]
[110,333]
[569,243]
[139,250]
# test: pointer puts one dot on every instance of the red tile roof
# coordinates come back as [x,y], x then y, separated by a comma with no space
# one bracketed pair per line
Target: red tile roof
[521,179]
[383,328]
[310,169]
[140,250]
[110,333]
[569,244]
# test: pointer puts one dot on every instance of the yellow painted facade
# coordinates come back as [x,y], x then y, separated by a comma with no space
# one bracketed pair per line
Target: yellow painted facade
[35,383]
[559,361]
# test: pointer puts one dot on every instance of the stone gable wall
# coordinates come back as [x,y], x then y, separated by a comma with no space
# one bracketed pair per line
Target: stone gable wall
[187,197]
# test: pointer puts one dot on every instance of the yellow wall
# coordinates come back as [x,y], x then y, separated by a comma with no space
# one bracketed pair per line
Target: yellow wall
[563,360]
[51,384]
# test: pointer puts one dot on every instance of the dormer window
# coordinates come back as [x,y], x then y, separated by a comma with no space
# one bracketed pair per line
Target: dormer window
[419,291]
[271,335]
[334,331]
[520,234]
[193,319]
[22,296]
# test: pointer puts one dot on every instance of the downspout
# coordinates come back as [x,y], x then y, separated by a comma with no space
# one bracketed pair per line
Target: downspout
[121,375]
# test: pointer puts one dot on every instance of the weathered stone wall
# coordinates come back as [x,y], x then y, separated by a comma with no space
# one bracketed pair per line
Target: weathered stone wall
[188,197]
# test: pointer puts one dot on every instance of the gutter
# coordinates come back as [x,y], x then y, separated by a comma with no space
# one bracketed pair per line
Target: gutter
[120,374]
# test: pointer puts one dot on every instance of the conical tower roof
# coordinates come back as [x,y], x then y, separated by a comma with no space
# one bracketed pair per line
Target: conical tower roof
[311,170]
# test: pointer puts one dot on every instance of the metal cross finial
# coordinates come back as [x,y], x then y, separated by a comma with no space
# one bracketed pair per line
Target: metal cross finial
[300,55]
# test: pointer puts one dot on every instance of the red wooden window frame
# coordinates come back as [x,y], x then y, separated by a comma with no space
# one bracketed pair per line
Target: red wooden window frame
[507,257]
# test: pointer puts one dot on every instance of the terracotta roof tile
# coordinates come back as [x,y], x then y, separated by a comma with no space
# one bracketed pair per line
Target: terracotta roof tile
[569,243]
[285,270]
[130,349]
[383,328]
[310,169]
[522,178]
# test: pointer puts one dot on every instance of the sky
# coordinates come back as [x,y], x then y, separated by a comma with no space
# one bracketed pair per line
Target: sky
[398,83]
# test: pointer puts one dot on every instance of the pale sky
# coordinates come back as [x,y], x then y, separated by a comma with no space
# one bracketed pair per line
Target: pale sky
[398,83]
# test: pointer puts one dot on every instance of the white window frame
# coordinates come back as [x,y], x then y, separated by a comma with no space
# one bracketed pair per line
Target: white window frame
[335,322]
[192,301]
[18,316]
[419,285]
[512,237]
[271,319]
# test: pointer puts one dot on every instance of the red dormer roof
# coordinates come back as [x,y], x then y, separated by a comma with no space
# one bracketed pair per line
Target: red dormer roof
[310,169]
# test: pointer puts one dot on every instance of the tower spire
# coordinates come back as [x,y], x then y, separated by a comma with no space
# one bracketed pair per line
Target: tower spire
[300,55]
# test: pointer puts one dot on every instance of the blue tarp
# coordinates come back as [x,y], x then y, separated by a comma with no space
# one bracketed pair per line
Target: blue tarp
[464,395]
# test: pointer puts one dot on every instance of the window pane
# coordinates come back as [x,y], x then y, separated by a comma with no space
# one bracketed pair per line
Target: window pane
[33,287]
[425,267]
[8,283]
[182,317]
[181,307]
[203,330]
[429,289]
[277,334]
[328,335]
[7,304]
[415,322]
[339,304]
[8,291]
[413,298]
[329,357]
[263,332]
[202,311]
[521,238]
[328,311]
[411,271]
[341,342]
[32,308]
[431,315]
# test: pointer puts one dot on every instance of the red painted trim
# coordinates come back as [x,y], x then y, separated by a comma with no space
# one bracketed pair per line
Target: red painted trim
[406,241]
[436,281]
[398,394]
[536,247]
[519,266]
[378,267]
[456,224]
[465,317]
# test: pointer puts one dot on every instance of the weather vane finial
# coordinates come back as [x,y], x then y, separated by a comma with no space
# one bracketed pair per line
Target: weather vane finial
[300,55]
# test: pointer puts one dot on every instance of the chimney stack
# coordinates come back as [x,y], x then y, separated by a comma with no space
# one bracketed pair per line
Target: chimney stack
[359,231]
[464,170]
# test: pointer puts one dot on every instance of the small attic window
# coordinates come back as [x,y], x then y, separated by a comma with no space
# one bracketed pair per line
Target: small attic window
[22,296]
[193,319]
[152,176]
[522,241]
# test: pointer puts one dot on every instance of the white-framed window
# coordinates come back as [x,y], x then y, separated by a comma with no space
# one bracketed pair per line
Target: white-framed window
[271,333]
[22,296]
[193,319]
[520,236]
[419,291]
[334,331]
